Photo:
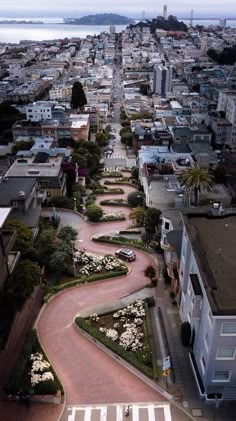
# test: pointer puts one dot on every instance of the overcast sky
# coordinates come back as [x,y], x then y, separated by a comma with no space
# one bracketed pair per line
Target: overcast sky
[125,7]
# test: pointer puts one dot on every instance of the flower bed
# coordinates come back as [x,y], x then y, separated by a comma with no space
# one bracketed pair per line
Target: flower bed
[111,174]
[115,202]
[112,216]
[108,191]
[119,241]
[125,333]
[124,180]
[93,263]
[33,373]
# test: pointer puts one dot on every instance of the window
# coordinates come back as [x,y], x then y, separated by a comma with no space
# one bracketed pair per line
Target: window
[221,376]
[228,329]
[167,226]
[225,353]
[207,341]
[203,364]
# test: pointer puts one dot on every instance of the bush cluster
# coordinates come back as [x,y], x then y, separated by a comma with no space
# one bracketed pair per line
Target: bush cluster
[118,241]
[17,378]
[151,343]
[115,347]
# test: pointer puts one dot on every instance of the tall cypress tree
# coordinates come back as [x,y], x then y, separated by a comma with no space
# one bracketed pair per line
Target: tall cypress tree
[78,98]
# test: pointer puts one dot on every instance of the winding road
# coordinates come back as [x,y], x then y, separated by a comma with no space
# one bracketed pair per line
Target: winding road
[88,374]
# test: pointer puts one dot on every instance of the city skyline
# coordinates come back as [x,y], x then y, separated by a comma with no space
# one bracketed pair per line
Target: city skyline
[62,8]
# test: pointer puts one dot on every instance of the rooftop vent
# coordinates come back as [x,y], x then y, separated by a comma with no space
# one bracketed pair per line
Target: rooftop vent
[21,193]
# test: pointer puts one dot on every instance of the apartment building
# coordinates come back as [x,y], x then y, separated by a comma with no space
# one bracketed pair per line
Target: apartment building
[162,79]
[45,168]
[208,300]
[8,257]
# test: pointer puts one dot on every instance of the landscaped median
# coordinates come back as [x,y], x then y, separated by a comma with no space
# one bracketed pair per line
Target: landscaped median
[124,180]
[114,202]
[105,190]
[111,174]
[90,267]
[126,333]
[120,241]
[33,375]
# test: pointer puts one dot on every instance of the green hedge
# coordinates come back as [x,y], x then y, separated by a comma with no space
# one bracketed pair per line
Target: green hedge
[114,203]
[109,191]
[125,182]
[113,346]
[112,218]
[112,174]
[49,292]
[156,371]
[119,243]
[15,383]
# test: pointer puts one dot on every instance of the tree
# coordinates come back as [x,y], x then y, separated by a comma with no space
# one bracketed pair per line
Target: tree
[137,215]
[101,139]
[24,279]
[94,213]
[22,146]
[127,139]
[58,261]
[24,235]
[196,179]
[46,244]
[62,202]
[150,272]
[136,198]
[151,220]
[67,233]
[78,98]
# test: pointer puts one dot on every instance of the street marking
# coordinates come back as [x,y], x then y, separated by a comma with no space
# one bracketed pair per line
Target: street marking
[119,413]
[87,415]
[71,417]
[135,412]
[151,413]
[103,415]
[167,413]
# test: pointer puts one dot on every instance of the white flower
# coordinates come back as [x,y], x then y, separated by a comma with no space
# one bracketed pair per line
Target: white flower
[47,376]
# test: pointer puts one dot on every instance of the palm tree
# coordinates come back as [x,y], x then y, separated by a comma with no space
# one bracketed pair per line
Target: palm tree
[196,179]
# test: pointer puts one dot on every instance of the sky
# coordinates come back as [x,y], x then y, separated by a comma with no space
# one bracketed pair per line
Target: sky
[132,8]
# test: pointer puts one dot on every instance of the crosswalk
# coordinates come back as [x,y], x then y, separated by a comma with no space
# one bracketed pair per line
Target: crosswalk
[137,412]
[116,156]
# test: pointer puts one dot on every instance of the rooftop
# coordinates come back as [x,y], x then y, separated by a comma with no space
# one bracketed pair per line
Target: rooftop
[213,241]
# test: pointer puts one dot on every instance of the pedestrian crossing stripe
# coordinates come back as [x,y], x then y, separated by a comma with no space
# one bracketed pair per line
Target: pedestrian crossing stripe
[90,413]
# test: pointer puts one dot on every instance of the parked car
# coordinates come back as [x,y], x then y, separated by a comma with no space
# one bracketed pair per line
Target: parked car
[126,254]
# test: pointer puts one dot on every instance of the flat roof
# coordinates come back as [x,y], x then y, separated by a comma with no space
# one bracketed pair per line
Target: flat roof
[4,213]
[213,240]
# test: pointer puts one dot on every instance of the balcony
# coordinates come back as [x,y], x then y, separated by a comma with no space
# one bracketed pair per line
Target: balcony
[8,240]
[12,260]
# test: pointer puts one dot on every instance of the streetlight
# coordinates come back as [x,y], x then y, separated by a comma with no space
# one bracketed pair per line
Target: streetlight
[75,207]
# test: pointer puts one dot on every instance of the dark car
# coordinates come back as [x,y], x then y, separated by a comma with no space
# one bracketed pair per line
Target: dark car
[126,254]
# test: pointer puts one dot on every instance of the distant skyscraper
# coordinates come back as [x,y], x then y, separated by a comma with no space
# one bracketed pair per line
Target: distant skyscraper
[222,23]
[112,29]
[162,79]
[165,12]
[143,16]
[191,18]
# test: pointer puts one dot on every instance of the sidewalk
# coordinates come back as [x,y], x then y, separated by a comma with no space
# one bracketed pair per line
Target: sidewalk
[181,382]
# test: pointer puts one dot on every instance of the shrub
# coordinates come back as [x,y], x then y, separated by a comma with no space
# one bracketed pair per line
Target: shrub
[67,233]
[185,333]
[94,213]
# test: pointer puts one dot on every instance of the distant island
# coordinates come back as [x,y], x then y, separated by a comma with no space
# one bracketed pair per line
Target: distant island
[170,24]
[14,22]
[100,19]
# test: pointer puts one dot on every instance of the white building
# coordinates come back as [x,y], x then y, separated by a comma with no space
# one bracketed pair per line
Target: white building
[162,79]
[40,110]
